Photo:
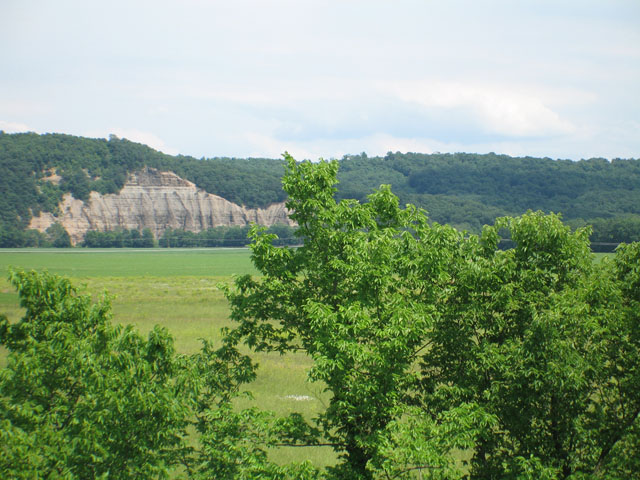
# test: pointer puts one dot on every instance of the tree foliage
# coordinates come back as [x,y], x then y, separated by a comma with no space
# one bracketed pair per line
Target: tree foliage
[432,341]
[528,335]
[82,398]
[119,239]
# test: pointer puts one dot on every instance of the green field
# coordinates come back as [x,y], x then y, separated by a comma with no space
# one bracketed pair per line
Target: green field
[156,262]
[177,289]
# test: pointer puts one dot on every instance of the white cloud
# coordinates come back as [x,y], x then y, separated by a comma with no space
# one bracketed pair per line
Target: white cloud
[498,109]
[146,138]
[375,144]
[159,110]
[14,127]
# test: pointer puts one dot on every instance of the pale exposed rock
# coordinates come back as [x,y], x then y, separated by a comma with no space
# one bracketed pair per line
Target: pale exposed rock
[43,221]
[53,177]
[158,201]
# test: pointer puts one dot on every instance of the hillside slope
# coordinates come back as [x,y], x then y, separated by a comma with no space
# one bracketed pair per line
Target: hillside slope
[466,190]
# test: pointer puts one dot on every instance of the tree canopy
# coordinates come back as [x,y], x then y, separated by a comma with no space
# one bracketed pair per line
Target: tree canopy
[433,341]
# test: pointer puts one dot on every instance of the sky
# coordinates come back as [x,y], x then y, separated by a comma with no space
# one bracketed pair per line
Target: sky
[256,78]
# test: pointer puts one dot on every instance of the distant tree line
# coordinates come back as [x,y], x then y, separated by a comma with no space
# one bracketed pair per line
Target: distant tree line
[233,236]
[55,236]
[119,239]
[612,230]
[223,236]
[607,235]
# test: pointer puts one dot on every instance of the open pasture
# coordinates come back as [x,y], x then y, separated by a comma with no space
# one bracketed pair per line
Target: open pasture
[177,289]
[156,262]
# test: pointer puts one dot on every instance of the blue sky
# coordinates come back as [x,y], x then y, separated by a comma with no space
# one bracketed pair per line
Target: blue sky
[328,78]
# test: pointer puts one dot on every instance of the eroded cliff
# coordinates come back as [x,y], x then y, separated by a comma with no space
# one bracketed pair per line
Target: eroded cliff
[158,201]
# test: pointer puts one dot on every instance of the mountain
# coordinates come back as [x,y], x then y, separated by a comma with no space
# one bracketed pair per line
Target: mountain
[83,183]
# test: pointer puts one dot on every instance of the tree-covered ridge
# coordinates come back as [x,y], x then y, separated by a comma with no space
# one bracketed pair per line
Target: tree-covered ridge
[471,190]
[462,189]
[28,160]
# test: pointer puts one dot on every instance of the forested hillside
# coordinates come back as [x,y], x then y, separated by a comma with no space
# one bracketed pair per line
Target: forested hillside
[470,190]
[29,161]
[465,190]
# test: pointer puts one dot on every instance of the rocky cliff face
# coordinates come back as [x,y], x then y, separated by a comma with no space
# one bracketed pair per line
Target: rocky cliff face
[158,201]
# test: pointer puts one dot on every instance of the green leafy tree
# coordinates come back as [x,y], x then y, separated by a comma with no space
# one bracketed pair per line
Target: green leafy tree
[147,240]
[76,182]
[532,334]
[432,342]
[57,236]
[11,237]
[36,238]
[83,399]
[358,297]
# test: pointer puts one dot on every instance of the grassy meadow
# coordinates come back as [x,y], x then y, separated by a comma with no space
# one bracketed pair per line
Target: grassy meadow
[177,289]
